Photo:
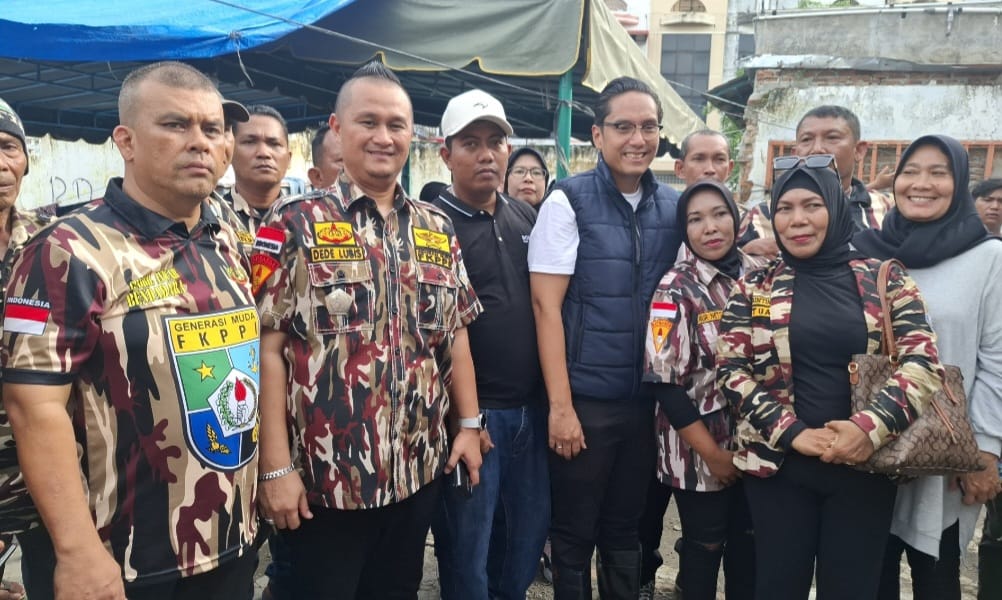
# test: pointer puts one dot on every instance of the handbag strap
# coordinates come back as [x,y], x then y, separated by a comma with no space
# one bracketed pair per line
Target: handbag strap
[888,345]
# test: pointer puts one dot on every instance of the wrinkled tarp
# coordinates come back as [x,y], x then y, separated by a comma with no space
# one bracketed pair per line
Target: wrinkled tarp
[511,38]
[116,30]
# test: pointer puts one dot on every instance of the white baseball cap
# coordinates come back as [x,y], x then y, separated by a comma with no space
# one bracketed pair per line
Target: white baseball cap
[474,105]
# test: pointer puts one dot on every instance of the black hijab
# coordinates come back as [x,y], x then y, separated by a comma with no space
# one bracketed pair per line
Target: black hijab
[925,244]
[730,263]
[835,251]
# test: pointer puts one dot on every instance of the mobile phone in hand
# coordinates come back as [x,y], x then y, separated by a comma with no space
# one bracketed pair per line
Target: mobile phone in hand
[8,551]
[459,480]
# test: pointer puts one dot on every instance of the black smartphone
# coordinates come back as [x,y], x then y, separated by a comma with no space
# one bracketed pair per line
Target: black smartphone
[459,480]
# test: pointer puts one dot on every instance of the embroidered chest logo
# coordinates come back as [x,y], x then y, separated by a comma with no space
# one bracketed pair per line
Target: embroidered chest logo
[432,247]
[245,237]
[216,369]
[156,286]
[760,306]
[663,315]
[334,241]
[237,274]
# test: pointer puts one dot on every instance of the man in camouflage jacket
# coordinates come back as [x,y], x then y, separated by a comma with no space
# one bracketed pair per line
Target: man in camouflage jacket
[17,512]
[364,300]
[131,350]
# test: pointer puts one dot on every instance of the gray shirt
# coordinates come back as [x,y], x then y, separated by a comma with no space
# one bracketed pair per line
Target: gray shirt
[964,299]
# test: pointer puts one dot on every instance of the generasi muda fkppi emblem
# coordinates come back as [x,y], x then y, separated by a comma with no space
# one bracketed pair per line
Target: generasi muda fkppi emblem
[217,369]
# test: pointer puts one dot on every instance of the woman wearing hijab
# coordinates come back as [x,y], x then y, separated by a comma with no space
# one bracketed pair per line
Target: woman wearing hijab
[786,338]
[935,231]
[694,424]
[526,178]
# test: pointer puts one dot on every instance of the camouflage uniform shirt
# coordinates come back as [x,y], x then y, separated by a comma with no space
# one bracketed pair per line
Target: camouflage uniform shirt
[754,367]
[868,211]
[17,512]
[681,348]
[370,306]
[244,223]
[156,329]
[248,215]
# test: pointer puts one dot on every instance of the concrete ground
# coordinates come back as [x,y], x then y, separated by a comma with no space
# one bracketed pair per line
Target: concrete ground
[541,590]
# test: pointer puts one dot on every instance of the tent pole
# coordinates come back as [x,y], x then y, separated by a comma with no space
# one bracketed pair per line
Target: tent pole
[565,94]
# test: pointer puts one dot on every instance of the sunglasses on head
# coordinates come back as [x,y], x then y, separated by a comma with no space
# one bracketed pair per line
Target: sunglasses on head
[814,161]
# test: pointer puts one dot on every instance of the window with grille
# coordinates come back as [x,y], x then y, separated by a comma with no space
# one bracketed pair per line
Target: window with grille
[685,63]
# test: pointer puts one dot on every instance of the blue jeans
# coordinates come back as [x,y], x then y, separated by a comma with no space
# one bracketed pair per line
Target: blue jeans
[488,546]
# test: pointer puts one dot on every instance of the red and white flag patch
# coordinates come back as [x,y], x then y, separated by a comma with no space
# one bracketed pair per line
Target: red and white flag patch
[24,315]
[269,239]
[664,310]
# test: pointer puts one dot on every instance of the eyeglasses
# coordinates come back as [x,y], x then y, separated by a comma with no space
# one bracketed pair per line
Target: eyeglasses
[649,129]
[535,172]
[814,161]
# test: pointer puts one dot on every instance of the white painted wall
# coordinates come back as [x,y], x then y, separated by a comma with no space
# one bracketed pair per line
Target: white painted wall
[897,112]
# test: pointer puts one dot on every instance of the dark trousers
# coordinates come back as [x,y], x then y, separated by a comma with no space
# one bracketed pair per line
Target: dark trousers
[931,579]
[231,581]
[652,527]
[810,511]
[990,553]
[375,553]
[598,496]
[715,526]
[38,563]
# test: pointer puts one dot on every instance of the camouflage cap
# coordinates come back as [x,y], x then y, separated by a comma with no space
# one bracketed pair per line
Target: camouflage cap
[11,123]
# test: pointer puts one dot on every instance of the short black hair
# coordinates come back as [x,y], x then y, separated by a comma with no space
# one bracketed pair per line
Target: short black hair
[617,87]
[266,111]
[684,147]
[833,111]
[431,190]
[171,73]
[317,145]
[373,69]
[986,187]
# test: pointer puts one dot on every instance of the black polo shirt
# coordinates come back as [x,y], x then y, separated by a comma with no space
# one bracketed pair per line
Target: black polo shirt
[503,339]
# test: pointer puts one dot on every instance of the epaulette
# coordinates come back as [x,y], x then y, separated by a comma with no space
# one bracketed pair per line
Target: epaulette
[287,200]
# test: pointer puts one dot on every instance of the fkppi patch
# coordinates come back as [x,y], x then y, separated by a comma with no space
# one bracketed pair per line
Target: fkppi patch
[760,306]
[432,247]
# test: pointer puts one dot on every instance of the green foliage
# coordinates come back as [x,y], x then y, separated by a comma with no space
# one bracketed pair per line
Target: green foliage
[733,132]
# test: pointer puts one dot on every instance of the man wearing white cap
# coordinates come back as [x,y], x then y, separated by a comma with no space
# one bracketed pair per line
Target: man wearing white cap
[477,560]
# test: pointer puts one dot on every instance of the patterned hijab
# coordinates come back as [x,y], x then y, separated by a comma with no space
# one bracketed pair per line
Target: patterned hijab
[835,251]
[730,263]
[919,245]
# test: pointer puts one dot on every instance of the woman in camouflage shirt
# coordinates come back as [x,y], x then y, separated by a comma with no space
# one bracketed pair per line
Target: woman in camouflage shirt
[793,327]
[694,424]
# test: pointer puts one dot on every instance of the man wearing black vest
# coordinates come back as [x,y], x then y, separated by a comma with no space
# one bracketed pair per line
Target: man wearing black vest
[602,242]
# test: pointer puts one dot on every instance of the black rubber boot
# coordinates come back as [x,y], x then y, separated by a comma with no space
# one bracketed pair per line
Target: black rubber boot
[619,574]
[571,585]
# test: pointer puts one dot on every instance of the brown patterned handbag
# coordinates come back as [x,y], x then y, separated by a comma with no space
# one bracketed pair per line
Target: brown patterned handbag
[940,441]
